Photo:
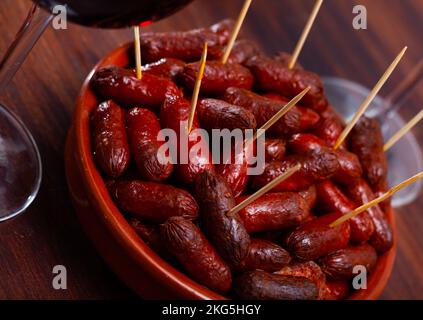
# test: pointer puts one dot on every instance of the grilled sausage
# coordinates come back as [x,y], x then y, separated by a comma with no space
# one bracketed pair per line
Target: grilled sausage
[191,249]
[110,143]
[224,230]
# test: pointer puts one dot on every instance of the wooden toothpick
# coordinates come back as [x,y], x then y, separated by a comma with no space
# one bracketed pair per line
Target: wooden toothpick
[305,34]
[264,190]
[138,52]
[378,200]
[369,99]
[403,131]
[236,30]
[197,88]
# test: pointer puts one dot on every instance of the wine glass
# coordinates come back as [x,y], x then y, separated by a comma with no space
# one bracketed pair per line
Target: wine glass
[20,161]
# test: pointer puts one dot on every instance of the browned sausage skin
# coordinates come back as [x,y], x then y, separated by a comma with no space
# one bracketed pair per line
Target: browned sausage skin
[123,87]
[382,238]
[264,255]
[197,256]
[316,238]
[110,142]
[273,212]
[225,231]
[153,202]
[218,114]
[217,77]
[340,264]
[260,285]
[332,199]
[144,136]
[298,119]
[165,68]
[186,45]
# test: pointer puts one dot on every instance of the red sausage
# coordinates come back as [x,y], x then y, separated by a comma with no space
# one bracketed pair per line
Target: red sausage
[264,255]
[243,50]
[367,142]
[330,127]
[285,58]
[153,202]
[298,119]
[336,290]
[349,166]
[110,143]
[310,196]
[150,234]
[165,68]
[218,114]
[174,115]
[339,265]
[122,86]
[332,199]
[314,168]
[273,212]
[382,239]
[196,255]
[273,76]
[144,136]
[260,285]
[316,238]
[217,77]
[309,270]
[186,45]
[275,149]
[225,231]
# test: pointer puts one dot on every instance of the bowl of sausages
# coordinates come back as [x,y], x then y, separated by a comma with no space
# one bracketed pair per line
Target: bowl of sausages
[166,229]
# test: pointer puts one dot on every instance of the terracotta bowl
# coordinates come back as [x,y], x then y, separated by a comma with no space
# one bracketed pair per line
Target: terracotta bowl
[130,258]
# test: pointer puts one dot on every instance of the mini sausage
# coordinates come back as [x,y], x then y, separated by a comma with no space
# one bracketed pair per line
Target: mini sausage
[309,270]
[332,199]
[153,202]
[310,196]
[174,115]
[336,290]
[217,77]
[218,114]
[110,142]
[243,50]
[339,265]
[186,45]
[264,255]
[330,127]
[314,168]
[273,76]
[191,249]
[366,140]
[382,238]
[349,166]
[316,238]
[298,119]
[275,149]
[226,232]
[165,68]
[273,212]
[144,134]
[122,86]
[260,285]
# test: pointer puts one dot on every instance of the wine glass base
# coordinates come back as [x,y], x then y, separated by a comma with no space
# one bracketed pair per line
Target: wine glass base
[20,166]
[404,158]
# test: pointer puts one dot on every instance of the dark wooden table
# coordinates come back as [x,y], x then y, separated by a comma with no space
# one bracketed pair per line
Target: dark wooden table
[43,94]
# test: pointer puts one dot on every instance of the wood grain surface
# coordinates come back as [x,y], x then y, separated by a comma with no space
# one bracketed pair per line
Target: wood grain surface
[44,91]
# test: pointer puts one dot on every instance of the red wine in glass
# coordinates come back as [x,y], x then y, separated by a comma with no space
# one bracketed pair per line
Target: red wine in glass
[20,161]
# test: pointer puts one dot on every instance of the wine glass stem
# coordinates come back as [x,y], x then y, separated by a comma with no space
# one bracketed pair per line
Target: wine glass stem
[33,27]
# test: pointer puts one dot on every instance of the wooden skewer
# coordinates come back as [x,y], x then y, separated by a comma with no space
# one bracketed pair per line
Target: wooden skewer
[366,103]
[236,30]
[378,200]
[264,190]
[396,137]
[305,34]
[138,51]
[280,114]
[197,87]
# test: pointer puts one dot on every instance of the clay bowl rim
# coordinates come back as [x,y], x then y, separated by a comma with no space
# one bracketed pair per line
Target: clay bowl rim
[123,232]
